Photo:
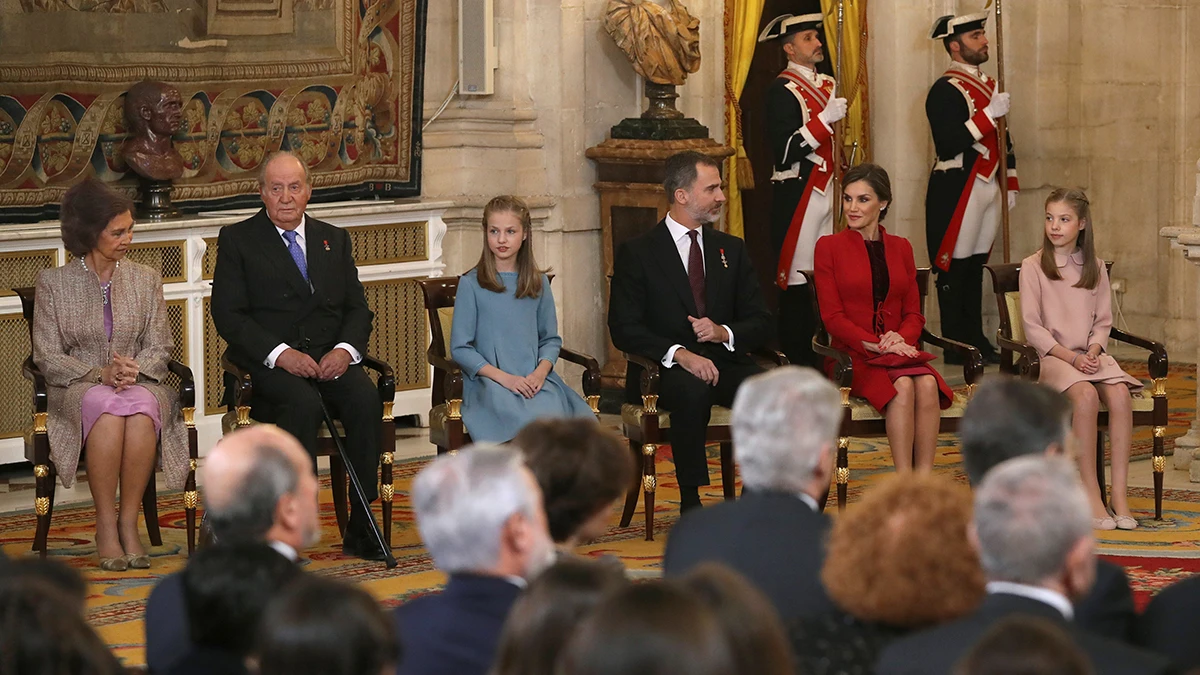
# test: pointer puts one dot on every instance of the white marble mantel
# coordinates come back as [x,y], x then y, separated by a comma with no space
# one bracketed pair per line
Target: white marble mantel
[1186,240]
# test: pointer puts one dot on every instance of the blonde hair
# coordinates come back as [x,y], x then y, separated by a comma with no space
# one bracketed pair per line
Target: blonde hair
[1078,201]
[529,277]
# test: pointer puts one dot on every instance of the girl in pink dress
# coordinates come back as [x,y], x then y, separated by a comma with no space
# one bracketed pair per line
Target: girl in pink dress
[1066,306]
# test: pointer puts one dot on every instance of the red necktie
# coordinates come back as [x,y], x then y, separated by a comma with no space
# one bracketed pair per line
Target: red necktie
[696,273]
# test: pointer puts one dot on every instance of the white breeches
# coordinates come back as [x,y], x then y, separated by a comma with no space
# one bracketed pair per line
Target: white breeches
[981,220]
[818,222]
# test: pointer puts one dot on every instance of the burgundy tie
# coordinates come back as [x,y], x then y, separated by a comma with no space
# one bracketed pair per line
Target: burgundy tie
[696,273]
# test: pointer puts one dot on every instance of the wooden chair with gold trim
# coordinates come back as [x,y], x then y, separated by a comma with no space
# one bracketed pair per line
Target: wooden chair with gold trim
[446,429]
[242,413]
[37,448]
[1018,357]
[860,419]
[646,426]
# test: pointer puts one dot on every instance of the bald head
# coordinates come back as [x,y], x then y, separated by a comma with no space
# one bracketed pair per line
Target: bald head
[259,483]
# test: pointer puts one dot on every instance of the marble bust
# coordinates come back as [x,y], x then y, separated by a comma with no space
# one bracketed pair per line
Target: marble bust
[153,112]
[662,42]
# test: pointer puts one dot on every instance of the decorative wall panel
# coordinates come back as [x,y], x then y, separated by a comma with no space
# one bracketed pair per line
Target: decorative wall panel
[400,330]
[16,393]
[390,243]
[339,83]
[19,269]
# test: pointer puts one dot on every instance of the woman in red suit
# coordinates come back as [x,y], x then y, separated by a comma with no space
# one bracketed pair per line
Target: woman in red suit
[866,283]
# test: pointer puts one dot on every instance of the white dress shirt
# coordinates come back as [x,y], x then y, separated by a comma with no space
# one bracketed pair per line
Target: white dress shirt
[1053,598]
[683,243]
[355,357]
[284,550]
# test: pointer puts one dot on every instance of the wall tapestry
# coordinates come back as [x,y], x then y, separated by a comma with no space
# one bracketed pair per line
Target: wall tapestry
[336,81]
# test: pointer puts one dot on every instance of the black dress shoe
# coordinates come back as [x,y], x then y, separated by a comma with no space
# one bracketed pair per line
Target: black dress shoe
[991,358]
[360,542]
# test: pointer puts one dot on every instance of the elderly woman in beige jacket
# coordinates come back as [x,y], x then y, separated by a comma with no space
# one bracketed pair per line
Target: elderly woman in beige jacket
[101,339]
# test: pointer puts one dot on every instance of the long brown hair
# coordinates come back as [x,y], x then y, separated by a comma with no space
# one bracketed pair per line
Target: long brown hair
[529,277]
[1079,203]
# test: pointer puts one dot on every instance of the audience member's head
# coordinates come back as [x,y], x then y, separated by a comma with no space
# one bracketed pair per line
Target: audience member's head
[69,583]
[903,557]
[43,633]
[652,628]
[582,469]
[547,613]
[318,626]
[1025,645]
[1008,417]
[1033,526]
[749,621]
[260,485]
[480,511]
[226,589]
[785,427]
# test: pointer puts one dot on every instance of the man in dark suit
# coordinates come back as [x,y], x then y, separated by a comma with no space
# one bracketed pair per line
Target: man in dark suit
[1033,528]
[287,299]
[259,486]
[481,519]
[785,426]
[1010,418]
[687,296]
[1168,626]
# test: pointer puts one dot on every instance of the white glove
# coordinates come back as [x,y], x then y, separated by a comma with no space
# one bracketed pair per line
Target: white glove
[834,111]
[999,106]
[1012,199]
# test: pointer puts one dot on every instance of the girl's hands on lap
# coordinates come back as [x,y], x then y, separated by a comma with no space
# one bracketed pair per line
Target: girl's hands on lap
[534,381]
[517,385]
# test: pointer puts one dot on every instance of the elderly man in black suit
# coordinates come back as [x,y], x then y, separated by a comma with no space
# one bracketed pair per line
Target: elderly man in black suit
[1010,418]
[1032,526]
[259,486]
[287,299]
[481,519]
[785,426]
[687,296]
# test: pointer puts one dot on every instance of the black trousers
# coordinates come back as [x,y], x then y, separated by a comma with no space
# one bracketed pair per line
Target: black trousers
[798,325]
[295,406]
[690,400]
[960,298]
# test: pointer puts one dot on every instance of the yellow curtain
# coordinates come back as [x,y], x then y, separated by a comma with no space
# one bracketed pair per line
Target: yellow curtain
[853,85]
[741,37]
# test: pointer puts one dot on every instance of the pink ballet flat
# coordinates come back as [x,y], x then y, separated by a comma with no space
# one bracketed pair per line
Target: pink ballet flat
[1125,522]
[1104,523]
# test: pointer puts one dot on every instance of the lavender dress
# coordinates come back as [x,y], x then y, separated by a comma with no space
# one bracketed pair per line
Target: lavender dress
[102,399]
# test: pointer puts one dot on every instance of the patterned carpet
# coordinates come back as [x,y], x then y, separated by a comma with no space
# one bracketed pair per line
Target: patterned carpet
[1155,554]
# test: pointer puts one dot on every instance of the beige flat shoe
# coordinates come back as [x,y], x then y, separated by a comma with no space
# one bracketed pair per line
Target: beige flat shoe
[1104,523]
[1125,522]
[114,564]
[137,562]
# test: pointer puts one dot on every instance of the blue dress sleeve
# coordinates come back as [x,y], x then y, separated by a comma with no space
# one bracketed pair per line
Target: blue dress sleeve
[549,341]
[463,327]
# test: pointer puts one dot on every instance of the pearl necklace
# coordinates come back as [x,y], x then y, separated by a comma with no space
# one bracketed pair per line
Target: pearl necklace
[104,287]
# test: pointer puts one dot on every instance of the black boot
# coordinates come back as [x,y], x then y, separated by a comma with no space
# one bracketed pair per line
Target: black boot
[359,541]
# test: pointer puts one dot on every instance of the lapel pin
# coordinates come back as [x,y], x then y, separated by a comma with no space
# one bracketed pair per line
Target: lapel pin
[326,244]
[724,263]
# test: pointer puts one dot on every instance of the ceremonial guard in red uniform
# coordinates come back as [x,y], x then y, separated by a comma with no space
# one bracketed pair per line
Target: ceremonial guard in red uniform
[962,205]
[802,108]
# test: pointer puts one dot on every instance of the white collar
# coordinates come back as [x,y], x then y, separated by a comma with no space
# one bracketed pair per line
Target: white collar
[1044,595]
[284,550]
[803,71]
[515,580]
[299,228]
[812,503]
[969,69]
[679,231]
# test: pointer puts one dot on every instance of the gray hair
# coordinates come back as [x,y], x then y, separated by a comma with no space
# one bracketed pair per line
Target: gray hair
[781,420]
[272,156]
[462,502]
[1029,513]
[250,513]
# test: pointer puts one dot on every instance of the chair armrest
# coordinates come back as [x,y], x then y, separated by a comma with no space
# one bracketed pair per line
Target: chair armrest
[244,390]
[453,379]
[843,367]
[972,358]
[41,403]
[591,369]
[187,383]
[1029,366]
[1157,362]
[650,373]
[387,378]
[770,356]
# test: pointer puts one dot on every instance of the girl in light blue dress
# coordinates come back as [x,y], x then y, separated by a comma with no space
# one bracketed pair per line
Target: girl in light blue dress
[505,333]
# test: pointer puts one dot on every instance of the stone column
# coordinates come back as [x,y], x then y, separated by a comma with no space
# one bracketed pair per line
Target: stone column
[1187,241]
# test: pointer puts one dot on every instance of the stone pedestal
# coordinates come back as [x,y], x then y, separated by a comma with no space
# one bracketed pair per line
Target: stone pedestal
[630,175]
[1187,241]
[155,204]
